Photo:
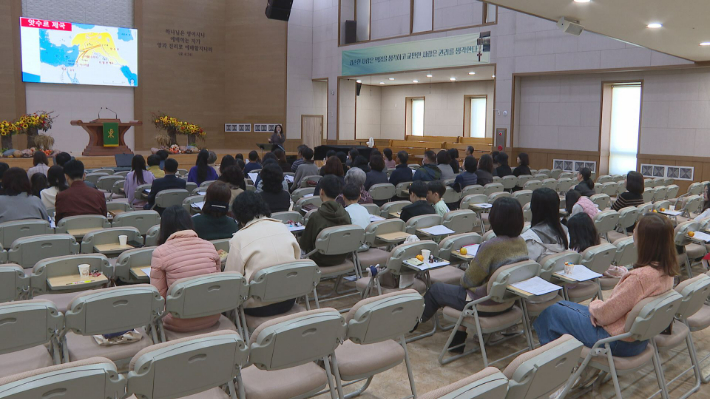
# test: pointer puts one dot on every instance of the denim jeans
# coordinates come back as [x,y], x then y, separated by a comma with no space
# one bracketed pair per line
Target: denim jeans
[574,319]
[453,296]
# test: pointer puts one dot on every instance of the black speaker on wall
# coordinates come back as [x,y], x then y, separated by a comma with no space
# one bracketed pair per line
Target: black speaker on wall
[279,9]
[350,31]
[358,87]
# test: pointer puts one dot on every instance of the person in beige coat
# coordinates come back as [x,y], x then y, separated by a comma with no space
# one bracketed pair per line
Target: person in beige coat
[260,243]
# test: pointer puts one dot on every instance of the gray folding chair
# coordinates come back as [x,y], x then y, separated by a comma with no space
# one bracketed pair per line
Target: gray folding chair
[606,221]
[550,183]
[422,222]
[460,221]
[493,197]
[108,236]
[305,203]
[532,185]
[488,383]
[29,336]
[78,226]
[472,189]
[690,251]
[207,183]
[375,337]
[14,284]
[382,192]
[471,199]
[564,184]
[299,193]
[660,193]
[523,196]
[117,190]
[193,199]
[140,193]
[672,192]
[190,186]
[389,208]
[106,183]
[375,255]
[339,240]
[118,206]
[27,251]
[151,237]
[626,255]
[94,177]
[522,179]
[108,311]
[597,258]
[168,198]
[283,351]
[451,196]
[648,193]
[142,220]
[194,365]
[382,282]
[95,378]
[402,189]
[11,231]
[310,181]
[287,216]
[627,218]
[601,200]
[491,188]
[555,173]
[372,209]
[129,265]
[509,182]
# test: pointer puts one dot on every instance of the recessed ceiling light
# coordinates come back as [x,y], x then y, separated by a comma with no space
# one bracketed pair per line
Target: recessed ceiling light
[415,81]
[429,75]
[391,78]
[582,1]
[452,79]
[358,81]
[705,44]
[472,73]
[382,83]
[654,25]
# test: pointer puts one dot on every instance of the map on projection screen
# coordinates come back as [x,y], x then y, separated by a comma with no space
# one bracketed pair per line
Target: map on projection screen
[63,52]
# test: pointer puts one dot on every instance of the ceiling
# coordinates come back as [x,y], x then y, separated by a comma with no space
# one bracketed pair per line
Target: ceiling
[438,76]
[685,22]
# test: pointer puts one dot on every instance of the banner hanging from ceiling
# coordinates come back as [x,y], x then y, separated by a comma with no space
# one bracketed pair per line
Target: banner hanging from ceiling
[451,51]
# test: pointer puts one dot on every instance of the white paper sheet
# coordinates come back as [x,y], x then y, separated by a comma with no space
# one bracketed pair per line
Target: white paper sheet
[671,213]
[147,191]
[253,176]
[581,273]
[471,250]
[536,286]
[699,235]
[375,218]
[293,228]
[484,205]
[198,205]
[307,196]
[52,224]
[427,266]
[438,230]
[146,270]
[288,178]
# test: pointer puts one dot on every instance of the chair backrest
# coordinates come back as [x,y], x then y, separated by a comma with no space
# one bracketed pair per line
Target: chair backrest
[695,292]
[672,191]
[660,193]
[510,274]
[491,188]
[392,207]
[188,201]
[381,227]
[118,206]
[27,251]
[523,196]
[628,217]
[538,373]
[611,188]
[451,196]
[190,186]
[65,266]
[221,244]
[564,184]
[695,188]
[532,184]
[556,262]
[384,317]
[522,179]
[207,183]
[94,177]
[555,173]
[460,221]
[527,213]
[300,338]
[488,383]
[27,324]
[13,282]
[286,281]
[509,182]
[545,172]
[566,175]
[151,237]
[606,221]
[540,176]
[602,200]
[626,252]
[106,182]
[140,191]
[604,179]
[648,193]
[93,378]
[467,200]
[11,231]
[206,295]
[652,315]
[372,209]
[168,198]
[340,240]
[455,242]
[314,201]
[82,222]
[681,232]
[408,251]
[649,183]
[488,235]
[287,216]
[187,366]
[104,170]
[599,257]
[299,193]
[382,191]
[693,204]
[139,257]
[310,181]
[142,220]
[421,222]
[493,197]
[108,236]
[661,204]
[644,209]
[550,183]
[117,187]
[112,310]
[472,189]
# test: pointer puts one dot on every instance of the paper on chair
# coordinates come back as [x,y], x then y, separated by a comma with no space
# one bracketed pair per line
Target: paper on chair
[580,273]
[288,178]
[198,205]
[484,205]
[536,286]
[307,196]
[253,176]
[293,228]
[471,250]
[146,271]
[437,230]
[671,213]
[375,218]
[699,235]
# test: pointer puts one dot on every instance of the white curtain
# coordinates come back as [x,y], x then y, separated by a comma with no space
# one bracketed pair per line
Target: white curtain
[478,117]
[624,134]
[418,117]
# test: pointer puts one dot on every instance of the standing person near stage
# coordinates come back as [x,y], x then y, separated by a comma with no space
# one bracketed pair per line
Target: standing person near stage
[278,137]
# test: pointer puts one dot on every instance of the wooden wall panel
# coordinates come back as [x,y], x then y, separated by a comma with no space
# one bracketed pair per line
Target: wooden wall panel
[541,158]
[12,90]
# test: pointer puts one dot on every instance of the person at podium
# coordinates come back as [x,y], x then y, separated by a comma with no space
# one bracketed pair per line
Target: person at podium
[278,138]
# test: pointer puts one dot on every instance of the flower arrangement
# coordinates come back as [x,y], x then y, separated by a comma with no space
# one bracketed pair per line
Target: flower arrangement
[40,120]
[8,128]
[163,121]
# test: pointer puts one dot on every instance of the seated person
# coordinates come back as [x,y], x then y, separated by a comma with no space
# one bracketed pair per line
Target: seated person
[180,254]
[377,173]
[78,199]
[138,176]
[484,173]
[154,166]
[418,196]
[652,275]
[506,218]
[163,155]
[428,171]
[358,213]
[306,168]
[357,177]
[547,236]
[390,163]
[170,181]
[586,185]
[234,178]
[17,201]
[202,171]
[329,214]
[503,168]
[583,234]
[333,166]
[40,162]
[261,242]
[254,162]
[273,193]
[443,160]
[57,182]
[213,223]
[576,203]
[633,196]
[435,195]
[401,173]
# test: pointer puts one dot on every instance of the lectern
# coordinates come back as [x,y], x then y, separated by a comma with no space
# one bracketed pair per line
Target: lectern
[95,129]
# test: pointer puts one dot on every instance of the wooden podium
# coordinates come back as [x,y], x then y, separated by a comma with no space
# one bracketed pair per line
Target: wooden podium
[95,129]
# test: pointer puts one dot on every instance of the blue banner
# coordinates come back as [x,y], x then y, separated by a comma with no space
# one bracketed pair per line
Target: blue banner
[463,50]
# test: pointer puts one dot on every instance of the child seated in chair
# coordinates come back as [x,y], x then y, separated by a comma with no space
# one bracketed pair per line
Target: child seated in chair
[435,194]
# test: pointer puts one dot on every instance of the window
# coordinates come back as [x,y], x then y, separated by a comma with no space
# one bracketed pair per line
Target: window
[478,117]
[624,127]
[417,117]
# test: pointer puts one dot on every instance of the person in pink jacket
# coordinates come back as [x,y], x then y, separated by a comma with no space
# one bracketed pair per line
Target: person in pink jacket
[181,254]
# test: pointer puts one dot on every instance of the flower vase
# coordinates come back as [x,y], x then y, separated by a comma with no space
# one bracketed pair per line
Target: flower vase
[191,138]
[172,133]
[6,142]
[31,133]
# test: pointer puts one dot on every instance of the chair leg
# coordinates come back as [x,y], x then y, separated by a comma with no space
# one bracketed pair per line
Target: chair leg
[481,343]
[330,378]
[315,297]
[688,266]
[612,371]
[696,365]
[245,327]
[240,386]
[409,366]
[659,371]
[232,390]
[336,371]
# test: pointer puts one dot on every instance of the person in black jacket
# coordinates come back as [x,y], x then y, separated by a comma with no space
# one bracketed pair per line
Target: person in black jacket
[586,185]
[454,154]
[523,165]
[377,173]
[273,193]
[503,169]
[468,177]
[428,171]
[485,170]
[419,206]
[170,181]
[401,173]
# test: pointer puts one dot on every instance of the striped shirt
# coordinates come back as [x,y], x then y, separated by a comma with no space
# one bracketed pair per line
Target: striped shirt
[627,199]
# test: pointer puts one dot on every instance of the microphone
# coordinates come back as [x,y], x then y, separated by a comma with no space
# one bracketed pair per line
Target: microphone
[98,114]
[113,112]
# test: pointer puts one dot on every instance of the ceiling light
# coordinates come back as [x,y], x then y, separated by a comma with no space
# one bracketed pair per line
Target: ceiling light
[452,79]
[705,44]
[429,75]
[415,81]
[493,76]
[382,83]
[391,78]
[654,25]
[582,1]
[472,73]
[358,81]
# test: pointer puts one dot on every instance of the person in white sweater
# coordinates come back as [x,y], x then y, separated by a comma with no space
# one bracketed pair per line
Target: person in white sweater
[57,183]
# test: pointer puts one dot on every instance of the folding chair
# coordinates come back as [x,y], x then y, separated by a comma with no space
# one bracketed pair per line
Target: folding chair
[523,179]
[140,193]
[646,320]
[142,220]
[375,255]
[471,199]
[202,296]
[627,219]
[310,181]
[488,383]
[129,265]
[190,186]
[545,172]
[604,179]
[532,185]
[11,231]
[523,196]
[27,251]
[598,258]
[493,197]
[372,209]
[566,175]
[108,311]
[299,193]
[648,193]
[659,193]
[339,240]
[117,191]
[689,250]
[151,237]
[626,255]
[93,178]
[460,221]
[106,183]
[491,188]
[375,337]
[95,378]
[601,200]
[93,241]
[564,184]
[120,206]
[394,270]
[207,183]
[672,192]
[167,198]
[550,183]
[555,173]
[451,197]
[472,189]
[312,202]
[527,213]
[78,226]
[575,292]
[509,182]
[29,336]
[381,193]
[194,365]
[504,302]
[422,222]
[50,270]
[14,284]
[606,221]
[402,189]
[389,208]
[692,205]
[448,250]
[193,199]
[283,351]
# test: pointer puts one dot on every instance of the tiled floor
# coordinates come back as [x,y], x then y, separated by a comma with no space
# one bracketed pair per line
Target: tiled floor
[429,374]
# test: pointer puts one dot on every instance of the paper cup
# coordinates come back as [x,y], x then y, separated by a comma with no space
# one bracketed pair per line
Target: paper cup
[84,270]
[425,255]
[122,240]
[568,269]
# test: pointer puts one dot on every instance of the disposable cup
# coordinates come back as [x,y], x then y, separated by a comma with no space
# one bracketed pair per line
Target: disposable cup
[425,255]
[84,270]
[122,240]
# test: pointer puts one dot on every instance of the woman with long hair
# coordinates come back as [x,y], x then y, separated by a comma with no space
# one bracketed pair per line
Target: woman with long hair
[586,184]
[40,164]
[334,167]
[582,232]
[454,155]
[485,170]
[213,223]
[234,178]
[137,176]
[576,203]
[38,181]
[652,275]
[281,158]
[547,235]
[17,201]
[57,182]
[273,193]
[202,171]
[226,162]
[278,137]
[390,163]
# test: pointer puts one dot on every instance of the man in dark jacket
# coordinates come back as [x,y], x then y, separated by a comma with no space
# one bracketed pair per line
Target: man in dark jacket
[170,181]
[401,173]
[419,206]
[330,214]
[429,171]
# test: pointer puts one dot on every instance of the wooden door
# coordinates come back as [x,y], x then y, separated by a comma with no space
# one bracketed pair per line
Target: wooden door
[312,130]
